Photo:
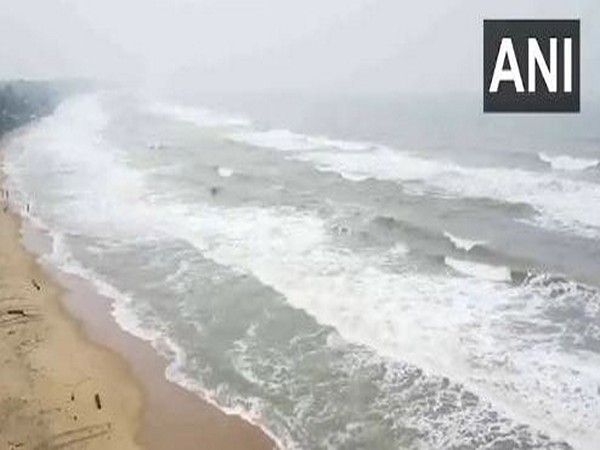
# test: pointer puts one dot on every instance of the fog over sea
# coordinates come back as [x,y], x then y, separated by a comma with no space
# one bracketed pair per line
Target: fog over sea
[352,273]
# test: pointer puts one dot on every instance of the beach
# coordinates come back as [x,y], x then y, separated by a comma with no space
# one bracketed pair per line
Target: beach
[57,389]
[71,378]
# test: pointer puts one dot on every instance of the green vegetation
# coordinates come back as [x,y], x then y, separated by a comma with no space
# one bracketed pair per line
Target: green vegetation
[24,101]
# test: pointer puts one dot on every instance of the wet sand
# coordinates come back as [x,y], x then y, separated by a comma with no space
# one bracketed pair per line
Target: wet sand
[71,378]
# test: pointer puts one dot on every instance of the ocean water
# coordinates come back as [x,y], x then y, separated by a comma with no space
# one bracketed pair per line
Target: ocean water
[349,275]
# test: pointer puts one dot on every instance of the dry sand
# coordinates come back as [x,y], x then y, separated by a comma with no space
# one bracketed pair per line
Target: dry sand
[70,378]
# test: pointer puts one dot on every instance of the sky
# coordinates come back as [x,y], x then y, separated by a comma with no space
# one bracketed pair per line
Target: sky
[382,46]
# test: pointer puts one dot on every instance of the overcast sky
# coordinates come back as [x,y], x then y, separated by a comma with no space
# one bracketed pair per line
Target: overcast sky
[423,46]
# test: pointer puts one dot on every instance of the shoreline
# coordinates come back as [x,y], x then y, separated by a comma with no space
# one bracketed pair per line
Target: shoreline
[165,414]
[57,389]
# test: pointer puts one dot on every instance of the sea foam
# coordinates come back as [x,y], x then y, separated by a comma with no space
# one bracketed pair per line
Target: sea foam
[479,270]
[567,162]
[461,243]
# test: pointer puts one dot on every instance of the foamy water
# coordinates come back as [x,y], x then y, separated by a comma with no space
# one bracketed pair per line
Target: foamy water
[463,244]
[276,294]
[568,163]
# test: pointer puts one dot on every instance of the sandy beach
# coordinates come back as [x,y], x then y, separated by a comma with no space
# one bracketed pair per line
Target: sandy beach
[57,389]
[71,378]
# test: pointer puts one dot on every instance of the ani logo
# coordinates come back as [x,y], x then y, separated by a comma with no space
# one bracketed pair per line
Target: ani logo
[531,66]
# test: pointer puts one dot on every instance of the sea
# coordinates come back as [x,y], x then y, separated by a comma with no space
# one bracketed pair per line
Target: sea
[350,271]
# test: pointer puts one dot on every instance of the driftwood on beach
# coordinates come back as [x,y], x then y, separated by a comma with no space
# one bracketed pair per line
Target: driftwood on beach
[98,402]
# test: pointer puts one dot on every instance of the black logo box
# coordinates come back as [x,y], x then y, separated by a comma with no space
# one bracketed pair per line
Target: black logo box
[507,99]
